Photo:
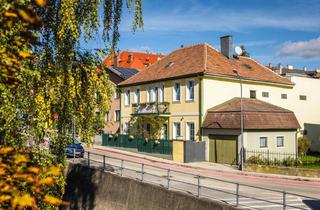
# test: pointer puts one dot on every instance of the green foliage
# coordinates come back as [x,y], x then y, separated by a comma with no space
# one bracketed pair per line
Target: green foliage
[156,123]
[303,145]
[259,160]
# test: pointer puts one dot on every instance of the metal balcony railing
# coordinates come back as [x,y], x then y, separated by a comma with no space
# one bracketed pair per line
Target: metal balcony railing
[159,108]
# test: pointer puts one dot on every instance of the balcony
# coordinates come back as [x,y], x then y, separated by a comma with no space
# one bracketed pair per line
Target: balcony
[156,108]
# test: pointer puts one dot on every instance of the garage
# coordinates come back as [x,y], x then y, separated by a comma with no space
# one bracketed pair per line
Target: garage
[223,149]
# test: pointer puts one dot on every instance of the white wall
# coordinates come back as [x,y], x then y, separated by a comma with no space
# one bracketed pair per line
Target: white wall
[251,140]
[218,91]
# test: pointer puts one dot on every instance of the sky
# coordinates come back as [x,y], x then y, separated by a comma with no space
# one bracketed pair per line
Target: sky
[273,31]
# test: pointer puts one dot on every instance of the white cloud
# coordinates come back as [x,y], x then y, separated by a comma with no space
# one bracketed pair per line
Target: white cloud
[141,49]
[304,49]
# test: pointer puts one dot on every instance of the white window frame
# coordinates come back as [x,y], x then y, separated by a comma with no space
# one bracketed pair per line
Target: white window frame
[161,93]
[137,98]
[126,128]
[175,93]
[127,97]
[107,116]
[282,141]
[188,130]
[188,98]
[115,115]
[175,136]
[261,137]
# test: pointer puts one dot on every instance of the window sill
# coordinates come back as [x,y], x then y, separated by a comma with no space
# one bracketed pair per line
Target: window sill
[190,101]
[176,102]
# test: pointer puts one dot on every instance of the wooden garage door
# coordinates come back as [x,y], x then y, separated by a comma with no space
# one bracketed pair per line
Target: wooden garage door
[223,149]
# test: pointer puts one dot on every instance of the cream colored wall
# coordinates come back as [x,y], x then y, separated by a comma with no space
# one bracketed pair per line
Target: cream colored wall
[251,140]
[217,91]
[183,111]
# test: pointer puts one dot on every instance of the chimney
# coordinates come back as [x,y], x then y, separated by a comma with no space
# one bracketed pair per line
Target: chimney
[305,68]
[290,67]
[270,65]
[115,58]
[226,46]
[280,69]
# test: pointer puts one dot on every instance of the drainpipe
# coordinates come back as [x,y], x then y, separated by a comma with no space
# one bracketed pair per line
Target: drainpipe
[200,108]
[120,125]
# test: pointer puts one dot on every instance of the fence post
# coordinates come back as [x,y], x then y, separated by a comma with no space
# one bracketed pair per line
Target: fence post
[104,162]
[198,186]
[168,178]
[237,194]
[121,168]
[268,157]
[88,158]
[284,200]
[74,154]
[142,171]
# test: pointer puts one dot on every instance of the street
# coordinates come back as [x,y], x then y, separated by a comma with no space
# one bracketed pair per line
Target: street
[156,173]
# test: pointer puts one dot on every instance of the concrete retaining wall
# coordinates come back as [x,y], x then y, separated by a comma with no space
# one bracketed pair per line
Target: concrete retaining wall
[89,188]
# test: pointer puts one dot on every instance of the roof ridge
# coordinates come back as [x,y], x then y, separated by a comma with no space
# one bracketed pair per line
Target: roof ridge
[257,62]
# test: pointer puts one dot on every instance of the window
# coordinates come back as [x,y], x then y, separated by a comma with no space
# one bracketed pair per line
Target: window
[253,94]
[107,117]
[176,91]
[303,97]
[164,131]
[284,96]
[265,94]
[126,128]
[190,131]
[176,130]
[161,94]
[151,94]
[127,98]
[280,141]
[117,94]
[117,115]
[190,90]
[263,142]
[137,96]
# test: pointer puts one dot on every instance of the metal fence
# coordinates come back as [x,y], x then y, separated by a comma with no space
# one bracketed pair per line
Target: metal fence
[266,157]
[198,185]
[143,145]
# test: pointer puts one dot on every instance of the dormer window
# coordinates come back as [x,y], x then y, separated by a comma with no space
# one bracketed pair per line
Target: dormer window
[169,64]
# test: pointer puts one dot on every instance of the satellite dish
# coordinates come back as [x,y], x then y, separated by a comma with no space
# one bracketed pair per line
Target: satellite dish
[238,50]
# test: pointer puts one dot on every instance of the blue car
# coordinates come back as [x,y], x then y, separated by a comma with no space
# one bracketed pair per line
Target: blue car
[75,150]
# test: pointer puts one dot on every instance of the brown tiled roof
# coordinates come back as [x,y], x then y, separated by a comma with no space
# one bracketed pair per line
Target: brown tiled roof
[204,59]
[257,115]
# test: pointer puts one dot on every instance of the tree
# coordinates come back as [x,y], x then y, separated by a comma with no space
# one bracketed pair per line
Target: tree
[50,73]
[24,184]
[45,73]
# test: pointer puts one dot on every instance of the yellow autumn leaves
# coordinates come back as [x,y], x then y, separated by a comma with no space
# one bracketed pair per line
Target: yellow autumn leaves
[23,185]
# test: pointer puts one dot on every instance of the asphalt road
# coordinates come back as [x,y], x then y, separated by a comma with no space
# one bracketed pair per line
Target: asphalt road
[213,188]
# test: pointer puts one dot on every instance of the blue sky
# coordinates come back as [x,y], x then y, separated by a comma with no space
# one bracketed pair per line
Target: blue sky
[276,31]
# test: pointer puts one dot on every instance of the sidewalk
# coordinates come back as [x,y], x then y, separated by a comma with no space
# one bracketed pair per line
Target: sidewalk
[206,165]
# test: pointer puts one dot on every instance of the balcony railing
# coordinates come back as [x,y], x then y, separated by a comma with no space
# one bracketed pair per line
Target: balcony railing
[159,108]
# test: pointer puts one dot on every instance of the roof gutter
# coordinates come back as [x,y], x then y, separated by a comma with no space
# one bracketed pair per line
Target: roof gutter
[164,79]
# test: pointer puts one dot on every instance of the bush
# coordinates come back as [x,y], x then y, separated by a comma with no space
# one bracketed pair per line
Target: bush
[303,145]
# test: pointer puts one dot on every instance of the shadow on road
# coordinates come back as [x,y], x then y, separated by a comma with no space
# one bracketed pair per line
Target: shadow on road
[312,204]
[80,190]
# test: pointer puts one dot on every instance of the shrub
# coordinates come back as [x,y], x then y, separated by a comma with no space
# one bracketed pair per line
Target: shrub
[303,145]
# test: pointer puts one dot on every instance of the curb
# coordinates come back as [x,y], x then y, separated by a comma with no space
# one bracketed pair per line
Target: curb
[156,159]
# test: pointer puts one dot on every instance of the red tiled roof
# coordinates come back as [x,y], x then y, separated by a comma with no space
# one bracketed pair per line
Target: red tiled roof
[204,59]
[257,115]
[139,60]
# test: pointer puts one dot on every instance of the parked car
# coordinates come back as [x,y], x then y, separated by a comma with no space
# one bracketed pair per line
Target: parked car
[75,147]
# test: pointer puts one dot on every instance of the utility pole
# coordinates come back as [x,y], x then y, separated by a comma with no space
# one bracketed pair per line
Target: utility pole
[241,122]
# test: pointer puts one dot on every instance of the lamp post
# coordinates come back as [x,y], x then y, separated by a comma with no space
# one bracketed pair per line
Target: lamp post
[241,122]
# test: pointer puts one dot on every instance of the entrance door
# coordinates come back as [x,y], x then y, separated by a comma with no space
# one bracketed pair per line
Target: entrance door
[223,149]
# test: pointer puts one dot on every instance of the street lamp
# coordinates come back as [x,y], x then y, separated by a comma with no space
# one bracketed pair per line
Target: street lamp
[241,122]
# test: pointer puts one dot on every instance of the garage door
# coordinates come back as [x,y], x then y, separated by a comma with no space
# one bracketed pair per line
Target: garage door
[223,149]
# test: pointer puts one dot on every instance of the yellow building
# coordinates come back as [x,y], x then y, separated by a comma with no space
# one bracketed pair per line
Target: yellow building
[180,88]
